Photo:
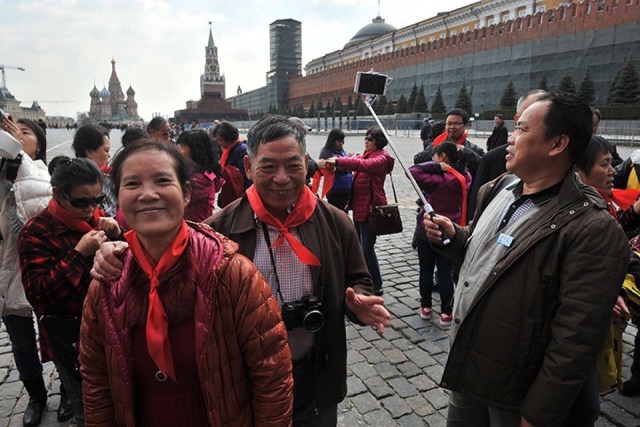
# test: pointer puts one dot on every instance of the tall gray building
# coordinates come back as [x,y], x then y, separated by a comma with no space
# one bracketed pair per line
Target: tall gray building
[285,38]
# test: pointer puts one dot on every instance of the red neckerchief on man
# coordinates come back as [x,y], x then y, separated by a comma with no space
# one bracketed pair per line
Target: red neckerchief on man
[157,329]
[444,136]
[66,218]
[463,184]
[301,212]
[226,152]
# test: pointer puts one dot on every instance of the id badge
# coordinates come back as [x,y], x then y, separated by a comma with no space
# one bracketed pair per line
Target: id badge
[505,240]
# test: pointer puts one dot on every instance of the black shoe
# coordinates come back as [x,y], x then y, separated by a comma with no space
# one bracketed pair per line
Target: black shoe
[65,410]
[630,389]
[378,292]
[33,413]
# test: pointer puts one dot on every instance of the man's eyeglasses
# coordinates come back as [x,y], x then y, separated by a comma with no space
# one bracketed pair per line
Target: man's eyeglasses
[84,202]
[454,124]
[166,133]
[369,138]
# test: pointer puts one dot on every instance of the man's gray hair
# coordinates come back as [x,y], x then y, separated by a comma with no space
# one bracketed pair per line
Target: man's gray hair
[271,128]
[538,93]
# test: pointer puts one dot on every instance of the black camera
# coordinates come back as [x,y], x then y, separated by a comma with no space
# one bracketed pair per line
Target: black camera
[304,313]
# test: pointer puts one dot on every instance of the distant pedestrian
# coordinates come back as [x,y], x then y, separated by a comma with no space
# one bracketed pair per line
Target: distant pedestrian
[499,135]
[159,130]
[233,170]
[338,195]
[425,132]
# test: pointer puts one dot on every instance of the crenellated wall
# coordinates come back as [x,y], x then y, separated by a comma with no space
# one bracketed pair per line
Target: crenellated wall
[567,40]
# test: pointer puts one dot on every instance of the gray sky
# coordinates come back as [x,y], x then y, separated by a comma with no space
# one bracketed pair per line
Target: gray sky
[66,45]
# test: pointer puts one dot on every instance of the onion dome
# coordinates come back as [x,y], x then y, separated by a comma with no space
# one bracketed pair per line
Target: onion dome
[95,93]
[105,92]
[130,91]
[374,30]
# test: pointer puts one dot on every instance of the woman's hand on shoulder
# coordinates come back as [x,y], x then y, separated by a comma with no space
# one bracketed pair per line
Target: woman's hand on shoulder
[90,242]
[110,227]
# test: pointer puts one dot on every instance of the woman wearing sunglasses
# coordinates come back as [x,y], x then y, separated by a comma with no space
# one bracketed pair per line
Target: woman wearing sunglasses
[371,169]
[56,250]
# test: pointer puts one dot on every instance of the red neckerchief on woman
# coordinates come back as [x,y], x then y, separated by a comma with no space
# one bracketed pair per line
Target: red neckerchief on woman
[621,198]
[157,329]
[69,220]
[226,152]
[106,169]
[463,184]
[329,177]
[444,136]
[302,211]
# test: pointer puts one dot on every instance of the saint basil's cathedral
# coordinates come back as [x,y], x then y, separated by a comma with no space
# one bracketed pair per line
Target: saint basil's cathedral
[110,104]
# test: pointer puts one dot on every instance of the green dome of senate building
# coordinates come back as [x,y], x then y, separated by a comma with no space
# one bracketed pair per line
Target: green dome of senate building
[374,30]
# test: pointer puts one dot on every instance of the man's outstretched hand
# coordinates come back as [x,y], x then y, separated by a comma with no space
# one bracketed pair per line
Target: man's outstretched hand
[369,309]
[107,263]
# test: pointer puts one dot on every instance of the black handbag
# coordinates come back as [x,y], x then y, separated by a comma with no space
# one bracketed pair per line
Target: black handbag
[385,219]
[64,335]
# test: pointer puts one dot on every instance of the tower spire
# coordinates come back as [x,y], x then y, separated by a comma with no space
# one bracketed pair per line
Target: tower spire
[210,45]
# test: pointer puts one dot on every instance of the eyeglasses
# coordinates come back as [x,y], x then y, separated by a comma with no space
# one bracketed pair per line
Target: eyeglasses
[84,202]
[165,132]
[369,138]
[454,124]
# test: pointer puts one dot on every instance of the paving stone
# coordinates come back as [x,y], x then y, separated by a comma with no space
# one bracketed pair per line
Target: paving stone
[373,356]
[400,310]
[380,418]
[4,421]
[409,369]
[10,390]
[629,404]
[354,357]
[387,370]
[420,357]
[363,370]
[420,405]
[437,397]
[411,420]
[422,382]
[391,334]
[355,386]
[378,387]
[434,372]
[398,324]
[6,359]
[396,406]
[358,344]
[403,344]
[395,356]
[365,403]
[431,347]
[436,420]
[403,387]
[351,418]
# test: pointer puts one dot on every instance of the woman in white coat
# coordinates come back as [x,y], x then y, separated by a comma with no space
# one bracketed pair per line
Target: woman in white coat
[25,189]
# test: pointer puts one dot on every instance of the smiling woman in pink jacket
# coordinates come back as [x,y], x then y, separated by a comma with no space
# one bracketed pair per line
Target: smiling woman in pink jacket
[370,170]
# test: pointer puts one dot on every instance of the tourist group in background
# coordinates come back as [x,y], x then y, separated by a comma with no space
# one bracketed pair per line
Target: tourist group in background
[198,278]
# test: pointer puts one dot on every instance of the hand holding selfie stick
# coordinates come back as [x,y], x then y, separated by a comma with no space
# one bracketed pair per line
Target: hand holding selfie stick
[371,84]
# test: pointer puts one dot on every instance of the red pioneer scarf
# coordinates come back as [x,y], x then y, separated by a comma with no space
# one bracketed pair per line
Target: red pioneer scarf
[329,177]
[463,184]
[157,329]
[444,136]
[226,152]
[621,198]
[105,169]
[302,211]
[68,219]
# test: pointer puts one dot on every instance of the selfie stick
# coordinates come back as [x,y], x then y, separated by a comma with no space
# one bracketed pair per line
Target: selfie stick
[427,207]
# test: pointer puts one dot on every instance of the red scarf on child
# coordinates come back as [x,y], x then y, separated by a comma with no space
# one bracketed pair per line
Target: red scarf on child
[302,211]
[68,219]
[444,136]
[157,329]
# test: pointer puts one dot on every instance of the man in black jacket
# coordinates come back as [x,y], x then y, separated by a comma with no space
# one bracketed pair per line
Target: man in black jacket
[499,135]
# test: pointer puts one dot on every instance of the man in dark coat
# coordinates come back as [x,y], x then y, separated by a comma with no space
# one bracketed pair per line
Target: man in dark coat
[499,135]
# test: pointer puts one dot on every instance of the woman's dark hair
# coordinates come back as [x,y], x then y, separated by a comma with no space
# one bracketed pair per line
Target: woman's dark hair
[227,131]
[156,123]
[67,173]
[378,136]
[41,152]
[334,135]
[201,147]
[133,133]
[180,165]
[597,146]
[88,137]
[449,148]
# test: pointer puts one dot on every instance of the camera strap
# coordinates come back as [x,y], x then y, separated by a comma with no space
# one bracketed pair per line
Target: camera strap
[273,260]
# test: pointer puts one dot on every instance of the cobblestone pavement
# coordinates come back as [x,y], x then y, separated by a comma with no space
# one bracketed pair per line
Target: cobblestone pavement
[393,378]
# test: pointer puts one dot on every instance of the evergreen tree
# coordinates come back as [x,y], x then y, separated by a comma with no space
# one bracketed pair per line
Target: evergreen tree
[420,104]
[542,84]
[320,107]
[337,107]
[625,89]
[349,106]
[567,85]
[361,109]
[587,90]
[438,106]
[379,105]
[312,110]
[412,97]
[401,106]
[508,99]
[388,109]
[464,100]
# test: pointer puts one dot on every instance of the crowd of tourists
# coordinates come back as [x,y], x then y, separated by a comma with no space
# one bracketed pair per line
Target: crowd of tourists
[202,279]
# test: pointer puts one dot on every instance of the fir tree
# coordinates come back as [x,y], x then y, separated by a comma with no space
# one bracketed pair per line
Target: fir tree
[438,106]
[312,110]
[625,88]
[320,106]
[412,96]
[337,107]
[379,105]
[349,105]
[587,90]
[388,109]
[508,99]
[420,104]
[401,106]
[542,84]
[361,109]
[567,85]
[464,100]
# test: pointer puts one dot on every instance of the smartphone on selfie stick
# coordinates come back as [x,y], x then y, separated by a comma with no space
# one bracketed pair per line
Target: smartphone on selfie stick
[370,85]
